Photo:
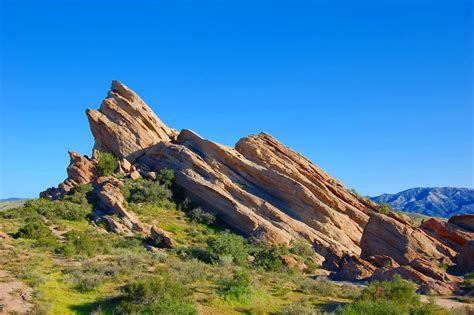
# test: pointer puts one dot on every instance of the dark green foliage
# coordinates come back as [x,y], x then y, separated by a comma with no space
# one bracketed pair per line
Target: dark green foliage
[238,288]
[301,247]
[228,244]
[79,243]
[81,194]
[391,297]
[59,209]
[267,256]
[385,208]
[106,163]
[200,216]
[38,232]
[160,295]
[140,191]
[166,177]
[468,284]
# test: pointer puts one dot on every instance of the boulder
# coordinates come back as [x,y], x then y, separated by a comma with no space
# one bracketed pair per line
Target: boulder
[465,221]
[353,268]
[151,176]
[135,175]
[465,257]
[125,126]
[161,237]
[125,165]
[291,262]
[110,202]
[387,236]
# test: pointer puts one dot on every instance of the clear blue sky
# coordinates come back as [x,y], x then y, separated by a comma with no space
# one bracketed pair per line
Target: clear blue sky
[377,93]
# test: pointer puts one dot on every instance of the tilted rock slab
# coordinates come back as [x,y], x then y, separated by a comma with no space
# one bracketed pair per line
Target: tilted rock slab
[125,126]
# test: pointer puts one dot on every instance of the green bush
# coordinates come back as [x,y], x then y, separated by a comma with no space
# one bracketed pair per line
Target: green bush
[59,209]
[390,297]
[200,216]
[385,208]
[238,287]
[106,163]
[166,177]
[81,194]
[267,256]
[298,308]
[228,244]
[39,232]
[160,295]
[141,191]
[301,247]
[79,243]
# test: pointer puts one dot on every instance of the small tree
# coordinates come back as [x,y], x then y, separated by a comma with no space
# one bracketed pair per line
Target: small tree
[106,163]
[166,177]
[385,208]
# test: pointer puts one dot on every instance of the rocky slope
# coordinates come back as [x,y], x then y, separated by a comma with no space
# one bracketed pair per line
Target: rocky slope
[436,202]
[262,189]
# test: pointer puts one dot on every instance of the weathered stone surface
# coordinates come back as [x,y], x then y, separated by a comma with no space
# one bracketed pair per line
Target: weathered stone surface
[429,268]
[125,126]
[110,201]
[465,221]
[291,262]
[353,268]
[125,165]
[261,201]
[384,235]
[465,257]
[151,176]
[383,261]
[161,237]
[448,233]
[135,175]
[81,170]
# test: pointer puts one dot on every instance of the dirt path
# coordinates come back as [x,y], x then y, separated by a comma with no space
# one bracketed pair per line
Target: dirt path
[15,296]
[449,303]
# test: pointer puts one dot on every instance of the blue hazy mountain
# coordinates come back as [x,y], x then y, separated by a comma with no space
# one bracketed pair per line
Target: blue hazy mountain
[437,201]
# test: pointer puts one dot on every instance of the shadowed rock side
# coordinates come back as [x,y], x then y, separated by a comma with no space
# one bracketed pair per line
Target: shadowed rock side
[124,125]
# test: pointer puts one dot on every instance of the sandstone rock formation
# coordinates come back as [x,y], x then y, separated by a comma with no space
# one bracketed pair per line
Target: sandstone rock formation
[466,257]
[465,221]
[125,126]
[262,189]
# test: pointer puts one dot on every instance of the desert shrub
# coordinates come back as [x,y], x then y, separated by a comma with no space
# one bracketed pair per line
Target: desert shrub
[200,253]
[59,209]
[160,295]
[301,247]
[238,287]
[166,177]
[317,287]
[107,163]
[146,191]
[468,284]
[80,194]
[390,297]
[79,243]
[39,232]
[228,244]
[200,216]
[267,256]
[385,208]
[298,308]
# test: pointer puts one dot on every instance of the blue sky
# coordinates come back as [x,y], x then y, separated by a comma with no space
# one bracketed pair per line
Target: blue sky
[377,93]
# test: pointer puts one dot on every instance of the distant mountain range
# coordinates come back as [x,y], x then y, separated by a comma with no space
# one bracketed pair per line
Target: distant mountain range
[437,201]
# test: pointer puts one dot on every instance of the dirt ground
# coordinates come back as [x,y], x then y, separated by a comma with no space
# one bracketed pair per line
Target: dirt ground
[15,296]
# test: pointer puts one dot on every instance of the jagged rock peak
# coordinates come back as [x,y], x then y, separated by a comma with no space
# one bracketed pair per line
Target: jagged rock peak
[125,126]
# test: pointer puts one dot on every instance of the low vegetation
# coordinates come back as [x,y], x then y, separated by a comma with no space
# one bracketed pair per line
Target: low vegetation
[75,266]
[107,163]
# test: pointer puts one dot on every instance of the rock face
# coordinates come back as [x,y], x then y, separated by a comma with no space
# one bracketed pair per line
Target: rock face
[262,189]
[265,201]
[386,236]
[81,170]
[466,257]
[465,221]
[125,126]
[448,233]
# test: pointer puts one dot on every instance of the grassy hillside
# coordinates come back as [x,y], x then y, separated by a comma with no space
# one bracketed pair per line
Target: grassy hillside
[77,267]
[11,203]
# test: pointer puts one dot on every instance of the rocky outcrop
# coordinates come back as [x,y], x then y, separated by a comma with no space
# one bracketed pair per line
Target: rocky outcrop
[465,257]
[264,201]
[125,126]
[384,235]
[450,234]
[353,268]
[110,202]
[465,221]
[161,238]
[81,170]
